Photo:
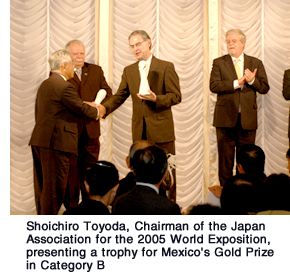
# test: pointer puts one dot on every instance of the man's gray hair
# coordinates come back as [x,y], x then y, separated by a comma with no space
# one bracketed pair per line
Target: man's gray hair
[75,41]
[143,34]
[58,58]
[239,32]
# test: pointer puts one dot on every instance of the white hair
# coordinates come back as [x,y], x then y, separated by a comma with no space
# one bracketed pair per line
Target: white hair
[58,58]
[75,41]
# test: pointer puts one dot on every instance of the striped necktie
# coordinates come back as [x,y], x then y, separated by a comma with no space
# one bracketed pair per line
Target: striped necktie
[78,72]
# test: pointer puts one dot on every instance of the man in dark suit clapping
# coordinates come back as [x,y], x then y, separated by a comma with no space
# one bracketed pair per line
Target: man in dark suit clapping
[235,78]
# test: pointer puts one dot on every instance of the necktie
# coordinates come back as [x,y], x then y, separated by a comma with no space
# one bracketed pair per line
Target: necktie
[237,67]
[238,71]
[144,86]
[78,72]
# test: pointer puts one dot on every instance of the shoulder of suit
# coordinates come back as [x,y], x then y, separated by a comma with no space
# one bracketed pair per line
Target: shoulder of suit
[58,82]
[160,60]
[223,57]
[92,66]
[57,78]
[54,75]
[161,63]
[251,58]
[133,65]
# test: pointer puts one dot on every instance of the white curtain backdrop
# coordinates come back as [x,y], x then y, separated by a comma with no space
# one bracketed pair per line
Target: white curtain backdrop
[188,33]
[277,60]
[28,68]
[38,28]
[267,27]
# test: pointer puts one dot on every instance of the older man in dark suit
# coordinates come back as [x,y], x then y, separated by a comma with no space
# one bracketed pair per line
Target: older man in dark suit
[235,77]
[149,168]
[90,83]
[286,93]
[152,116]
[54,137]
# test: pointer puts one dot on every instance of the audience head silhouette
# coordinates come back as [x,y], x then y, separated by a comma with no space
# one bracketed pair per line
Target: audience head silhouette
[101,177]
[150,168]
[102,182]
[137,145]
[241,195]
[129,181]
[276,192]
[150,165]
[251,160]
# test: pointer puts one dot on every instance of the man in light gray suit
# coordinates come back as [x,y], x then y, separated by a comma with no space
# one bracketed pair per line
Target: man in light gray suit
[152,116]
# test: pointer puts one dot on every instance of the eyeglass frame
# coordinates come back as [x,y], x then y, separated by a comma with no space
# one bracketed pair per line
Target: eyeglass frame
[138,44]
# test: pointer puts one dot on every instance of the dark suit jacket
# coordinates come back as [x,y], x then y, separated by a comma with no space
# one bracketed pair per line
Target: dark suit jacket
[92,80]
[221,82]
[89,207]
[286,90]
[143,200]
[56,109]
[164,82]
[126,184]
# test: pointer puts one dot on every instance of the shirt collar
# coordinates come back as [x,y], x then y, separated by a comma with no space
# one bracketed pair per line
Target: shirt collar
[148,185]
[61,76]
[241,58]
[149,59]
[148,62]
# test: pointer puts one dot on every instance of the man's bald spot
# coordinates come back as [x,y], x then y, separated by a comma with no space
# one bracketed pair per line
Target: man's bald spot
[138,145]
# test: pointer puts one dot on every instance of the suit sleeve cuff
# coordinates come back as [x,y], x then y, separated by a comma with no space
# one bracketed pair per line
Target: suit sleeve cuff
[236,84]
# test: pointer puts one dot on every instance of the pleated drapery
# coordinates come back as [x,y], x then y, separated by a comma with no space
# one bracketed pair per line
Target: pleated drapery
[176,30]
[188,33]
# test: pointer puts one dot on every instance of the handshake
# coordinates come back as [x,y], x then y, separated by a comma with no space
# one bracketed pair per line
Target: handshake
[97,103]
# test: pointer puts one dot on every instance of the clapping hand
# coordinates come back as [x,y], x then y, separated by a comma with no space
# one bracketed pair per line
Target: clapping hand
[250,76]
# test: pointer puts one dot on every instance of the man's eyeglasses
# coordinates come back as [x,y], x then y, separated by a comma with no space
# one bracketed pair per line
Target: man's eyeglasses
[138,44]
